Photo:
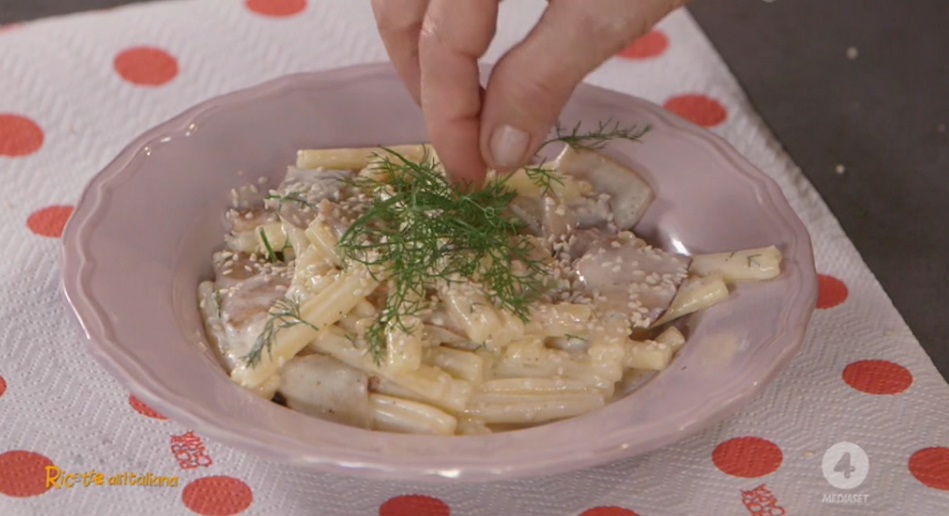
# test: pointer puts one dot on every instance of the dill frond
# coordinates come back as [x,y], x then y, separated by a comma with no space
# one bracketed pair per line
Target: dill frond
[591,140]
[544,178]
[271,254]
[596,139]
[420,231]
[285,313]
[219,304]
[292,197]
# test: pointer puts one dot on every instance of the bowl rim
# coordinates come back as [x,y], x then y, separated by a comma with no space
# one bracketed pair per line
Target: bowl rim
[109,353]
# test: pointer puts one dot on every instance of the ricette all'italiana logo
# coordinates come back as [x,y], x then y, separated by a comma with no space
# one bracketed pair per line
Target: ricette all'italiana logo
[56,478]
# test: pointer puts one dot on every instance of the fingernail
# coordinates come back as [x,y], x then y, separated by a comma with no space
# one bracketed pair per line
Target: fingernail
[508,146]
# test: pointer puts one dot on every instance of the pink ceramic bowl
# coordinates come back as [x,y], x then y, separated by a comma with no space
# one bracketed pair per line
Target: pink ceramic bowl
[141,236]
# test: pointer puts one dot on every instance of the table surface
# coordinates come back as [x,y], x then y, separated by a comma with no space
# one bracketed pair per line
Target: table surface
[855,91]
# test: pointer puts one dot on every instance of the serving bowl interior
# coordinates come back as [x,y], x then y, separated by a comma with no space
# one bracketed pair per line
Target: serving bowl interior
[141,237]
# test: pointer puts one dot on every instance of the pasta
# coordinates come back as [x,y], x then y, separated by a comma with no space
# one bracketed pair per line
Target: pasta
[364,290]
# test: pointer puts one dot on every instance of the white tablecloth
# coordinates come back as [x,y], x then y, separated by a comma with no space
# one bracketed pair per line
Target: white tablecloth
[75,90]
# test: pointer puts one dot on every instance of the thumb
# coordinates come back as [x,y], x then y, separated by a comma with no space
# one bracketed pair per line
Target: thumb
[531,83]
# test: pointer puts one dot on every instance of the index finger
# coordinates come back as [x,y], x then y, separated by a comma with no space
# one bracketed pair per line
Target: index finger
[399,23]
[455,34]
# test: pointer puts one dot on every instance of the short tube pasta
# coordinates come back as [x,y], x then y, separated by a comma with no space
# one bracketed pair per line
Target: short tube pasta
[323,241]
[699,294]
[356,158]
[532,409]
[472,312]
[746,265]
[319,312]
[365,289]
[400,415]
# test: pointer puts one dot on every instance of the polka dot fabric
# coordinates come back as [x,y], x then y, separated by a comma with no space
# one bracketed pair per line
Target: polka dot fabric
[747,457]
[414,505]
[23,473]
[144,409]
[50,221]
[77,89]
[217,496]
[146,66]
[652,45]
[19,136]
[276,8]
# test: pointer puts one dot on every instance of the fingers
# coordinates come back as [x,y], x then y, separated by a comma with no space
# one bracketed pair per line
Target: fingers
[399,23]
[531,83]
[435,46]
[455,34]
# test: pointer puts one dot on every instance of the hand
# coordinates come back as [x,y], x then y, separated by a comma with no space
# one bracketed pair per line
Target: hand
[435,46]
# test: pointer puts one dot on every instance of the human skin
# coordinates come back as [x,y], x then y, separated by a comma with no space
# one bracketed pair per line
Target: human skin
[435,46]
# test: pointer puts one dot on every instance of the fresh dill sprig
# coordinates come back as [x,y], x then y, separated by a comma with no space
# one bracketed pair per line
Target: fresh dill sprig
[543,177]
[596,139]
[219,304]
[271,254]
[421,231]
[591,140]
[292,197]
[285,313]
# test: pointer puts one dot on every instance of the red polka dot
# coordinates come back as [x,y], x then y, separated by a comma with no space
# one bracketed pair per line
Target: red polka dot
[144,409]
[747,457]
[19,136]
[3,386]
[931,467]
[276,8]
[608,511]
[23,473]
[50,221]
[698,109]
[414,505]
[830,291]
[217,496]
[146,66]
[877,377]
[653,44]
